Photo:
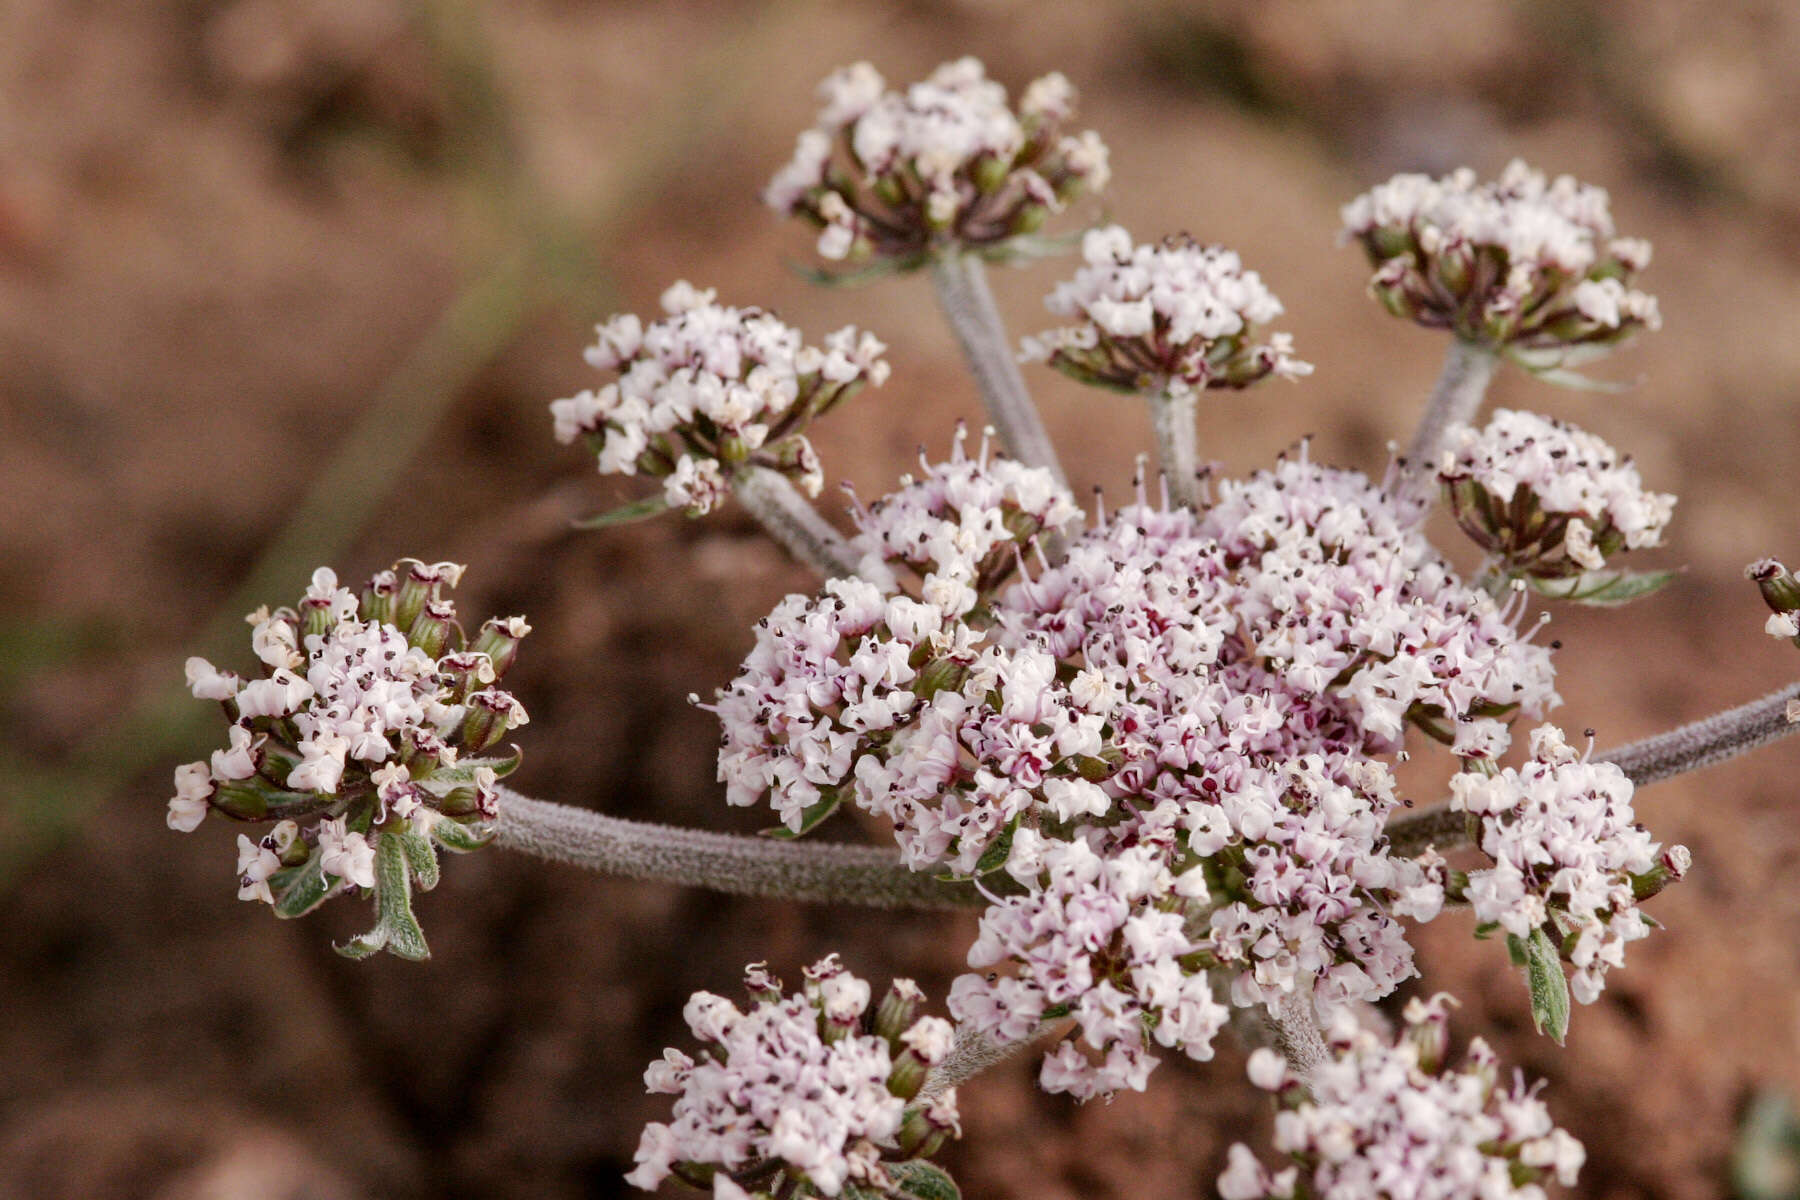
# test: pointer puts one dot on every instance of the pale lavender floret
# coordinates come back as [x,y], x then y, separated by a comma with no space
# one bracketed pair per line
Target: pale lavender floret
[1524,262]
[342,702]
[743,372]
[945,159]
[1175,316]
[1564,839]
[1573,475]
[1061,934]
[1387,1121]
[791,1079]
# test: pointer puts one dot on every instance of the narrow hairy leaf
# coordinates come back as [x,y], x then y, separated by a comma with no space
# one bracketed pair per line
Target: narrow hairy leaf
[1549,987]
[638,510]
[1603,589]
[924,1180]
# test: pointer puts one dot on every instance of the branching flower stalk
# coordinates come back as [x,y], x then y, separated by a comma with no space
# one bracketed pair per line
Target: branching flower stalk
[1172,413]
[960,282]
[721,862]
[792,521]
[1455,400]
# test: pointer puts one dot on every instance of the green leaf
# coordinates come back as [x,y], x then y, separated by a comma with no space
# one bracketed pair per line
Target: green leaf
[879,269]
[421,857]
[396,929]
[461,837]
[991,860]
[1549,986]
[462,772]
[637,510]
[810,818]
[924,1180]
[303,889]
[1603,589]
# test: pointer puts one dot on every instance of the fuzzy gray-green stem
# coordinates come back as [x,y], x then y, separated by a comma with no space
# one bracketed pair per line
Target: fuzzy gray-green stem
[1295,1031]
[974,1052]
[722,862]
[1707,741]
[1461,386]
[1172,418]
[962,292]
[792,521]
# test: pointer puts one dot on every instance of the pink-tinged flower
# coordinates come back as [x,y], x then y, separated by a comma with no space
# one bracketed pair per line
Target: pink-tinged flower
[1390,1121]
[1522,264]
[710,390]
[1568,855]
[946,164]
[797,1086]
[367,723]
[193,789]
[1545,498]
[1171,317]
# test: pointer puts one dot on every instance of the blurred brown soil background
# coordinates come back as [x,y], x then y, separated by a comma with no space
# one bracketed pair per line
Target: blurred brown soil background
[285,282]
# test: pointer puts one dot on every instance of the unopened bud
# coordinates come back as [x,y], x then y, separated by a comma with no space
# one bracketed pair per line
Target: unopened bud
[1670,867]
[1780,590]
[499,640]
[435,629]
[894,1016]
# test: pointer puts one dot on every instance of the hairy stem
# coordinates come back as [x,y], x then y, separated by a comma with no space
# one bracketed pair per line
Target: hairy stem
[1172,417]
[723,862]
[1707,741]
[962,292]
[1437,826]
[974,1052]
[1295,1031]
[792,521]
[1461,386]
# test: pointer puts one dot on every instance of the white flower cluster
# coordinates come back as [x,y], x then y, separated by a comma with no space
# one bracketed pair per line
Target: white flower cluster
[1520,262]
[796,1091]
[1180,717]
[1389,1122]
[710,389]
[870,692]
[362,716]
[1569,856]
[947,162]
[1177,316]
[1546,497]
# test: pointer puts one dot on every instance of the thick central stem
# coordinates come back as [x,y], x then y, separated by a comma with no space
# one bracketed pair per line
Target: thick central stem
[962,292]
[722,862]
[1172,418]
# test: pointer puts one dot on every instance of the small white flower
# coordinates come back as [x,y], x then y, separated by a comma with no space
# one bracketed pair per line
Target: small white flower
[193,789]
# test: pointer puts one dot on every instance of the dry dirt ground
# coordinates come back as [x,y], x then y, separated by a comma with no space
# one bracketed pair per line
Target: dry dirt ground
[291,281]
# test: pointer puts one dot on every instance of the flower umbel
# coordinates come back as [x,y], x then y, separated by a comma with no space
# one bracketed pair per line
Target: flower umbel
[708,391]
[364,739]
[1522,264]
[1175,315]
[1392,1122]
[1545,499]
[944,165]
[811,1091]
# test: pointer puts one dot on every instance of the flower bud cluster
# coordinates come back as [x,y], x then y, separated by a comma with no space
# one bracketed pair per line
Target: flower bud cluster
[1545,498]
[709,390]
[1569,856]
[1169,737]
[368,719]
[1177,316]
[1520,263]
[808,1091]
[947,163]
[1380,1121]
